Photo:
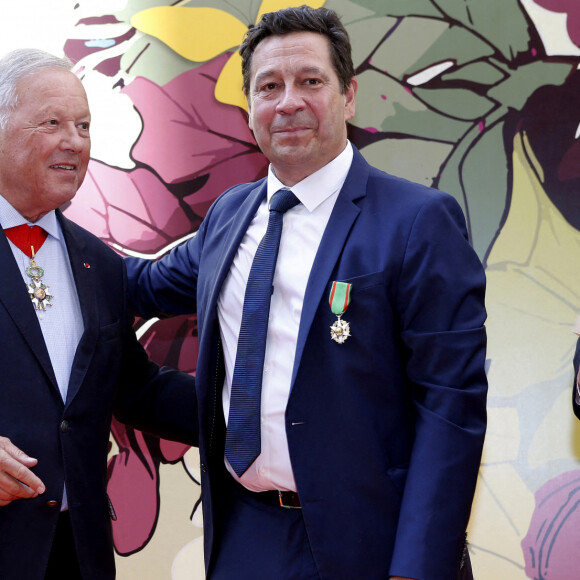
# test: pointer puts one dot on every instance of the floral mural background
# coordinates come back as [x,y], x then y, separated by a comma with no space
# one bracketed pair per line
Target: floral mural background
[478,98]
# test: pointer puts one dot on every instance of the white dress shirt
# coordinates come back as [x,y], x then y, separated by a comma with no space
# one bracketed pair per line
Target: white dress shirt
[302,232]
[62,323]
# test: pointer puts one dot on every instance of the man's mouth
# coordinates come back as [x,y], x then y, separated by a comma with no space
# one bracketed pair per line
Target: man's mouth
[290,129]
[64,166]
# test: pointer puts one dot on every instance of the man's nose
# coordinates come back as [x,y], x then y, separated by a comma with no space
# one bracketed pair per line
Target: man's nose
[71,138]
[290,101]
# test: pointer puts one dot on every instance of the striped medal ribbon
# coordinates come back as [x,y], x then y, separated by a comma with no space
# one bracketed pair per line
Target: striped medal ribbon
[339,300]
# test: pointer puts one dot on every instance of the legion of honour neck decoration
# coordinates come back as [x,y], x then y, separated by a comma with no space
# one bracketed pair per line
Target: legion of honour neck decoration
[339,300]
[37,290]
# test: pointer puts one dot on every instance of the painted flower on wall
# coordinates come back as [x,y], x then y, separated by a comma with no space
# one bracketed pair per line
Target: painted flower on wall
[191,148]
[133,471]
[202,33]
[551,545]
[445,91]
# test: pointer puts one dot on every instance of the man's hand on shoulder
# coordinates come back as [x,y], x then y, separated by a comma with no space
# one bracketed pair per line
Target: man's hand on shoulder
[16,479]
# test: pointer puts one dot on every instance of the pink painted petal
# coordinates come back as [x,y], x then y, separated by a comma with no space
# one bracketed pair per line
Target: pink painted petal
[199,133]
[569,7]
[172,451]
[550,546]
[131,208]
[132,488]
[173,342]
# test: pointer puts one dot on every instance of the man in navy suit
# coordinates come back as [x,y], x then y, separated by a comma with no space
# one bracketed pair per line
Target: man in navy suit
[68,354]
[372,403]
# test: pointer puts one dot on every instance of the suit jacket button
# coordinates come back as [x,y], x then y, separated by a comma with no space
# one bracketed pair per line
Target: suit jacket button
[52,503]
[64,426]
[203,467]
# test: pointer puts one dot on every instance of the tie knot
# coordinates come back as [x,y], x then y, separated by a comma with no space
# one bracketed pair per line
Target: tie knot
[283,200]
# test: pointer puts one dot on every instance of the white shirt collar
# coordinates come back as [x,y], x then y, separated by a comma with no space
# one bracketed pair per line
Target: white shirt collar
[9,218]
[321,184]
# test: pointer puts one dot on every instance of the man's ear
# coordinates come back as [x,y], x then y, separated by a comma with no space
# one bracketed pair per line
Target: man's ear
[249,102]
[350,94]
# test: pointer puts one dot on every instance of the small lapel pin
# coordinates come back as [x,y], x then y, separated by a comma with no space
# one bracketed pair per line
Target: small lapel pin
[86,265]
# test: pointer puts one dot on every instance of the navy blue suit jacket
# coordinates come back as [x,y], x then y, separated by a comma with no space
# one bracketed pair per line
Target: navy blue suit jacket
[110,372]
[386,430]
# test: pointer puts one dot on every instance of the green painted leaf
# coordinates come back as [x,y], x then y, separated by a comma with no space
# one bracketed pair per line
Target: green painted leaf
[366,35]
[517,88]
[413,159]
[407,45]
[384,105]
[150,58]
[352,11]
[503,23]
[418,43]
[477,176]
[481,73]
[244,10]
[400,8]
[457,103]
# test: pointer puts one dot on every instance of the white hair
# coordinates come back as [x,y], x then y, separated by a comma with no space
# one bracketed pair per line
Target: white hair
[16,65]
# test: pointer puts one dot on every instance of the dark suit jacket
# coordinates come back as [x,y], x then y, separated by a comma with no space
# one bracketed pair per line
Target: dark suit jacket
[111,372]
[386,430]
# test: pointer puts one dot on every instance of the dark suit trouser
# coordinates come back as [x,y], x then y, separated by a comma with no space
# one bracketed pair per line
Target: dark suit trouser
[266,542]
[262,542]
[63,562]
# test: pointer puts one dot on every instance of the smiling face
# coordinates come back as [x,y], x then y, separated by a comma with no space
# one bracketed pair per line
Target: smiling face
[297,112]
[44,150]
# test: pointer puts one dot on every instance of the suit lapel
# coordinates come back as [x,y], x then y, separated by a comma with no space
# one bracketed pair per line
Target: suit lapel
[84,269]
[335,235]
[234,237]
[18,305]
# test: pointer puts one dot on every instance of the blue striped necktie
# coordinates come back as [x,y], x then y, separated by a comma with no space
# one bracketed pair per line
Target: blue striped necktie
[243,443]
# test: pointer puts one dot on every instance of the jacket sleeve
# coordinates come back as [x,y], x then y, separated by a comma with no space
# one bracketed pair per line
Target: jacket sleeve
[158,400]
[440,301]
[168,286]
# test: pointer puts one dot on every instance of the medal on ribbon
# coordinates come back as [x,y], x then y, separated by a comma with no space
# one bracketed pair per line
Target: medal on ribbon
[339,300]
[29,240]
[37,290]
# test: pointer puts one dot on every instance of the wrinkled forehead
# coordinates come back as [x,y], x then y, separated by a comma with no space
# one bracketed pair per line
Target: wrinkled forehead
[298,50]
[50,81]
[51,89]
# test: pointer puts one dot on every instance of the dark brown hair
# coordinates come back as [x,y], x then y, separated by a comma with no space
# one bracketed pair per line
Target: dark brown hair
[301,19]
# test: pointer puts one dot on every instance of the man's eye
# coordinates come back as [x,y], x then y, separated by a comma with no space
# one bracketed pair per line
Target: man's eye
[84,126]
[52,122]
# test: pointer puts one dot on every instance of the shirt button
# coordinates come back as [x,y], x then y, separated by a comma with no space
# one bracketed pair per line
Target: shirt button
[64,426]
[52,503]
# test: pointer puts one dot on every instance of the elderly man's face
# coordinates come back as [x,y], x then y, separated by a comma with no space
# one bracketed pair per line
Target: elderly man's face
[44,151]
[297,112]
